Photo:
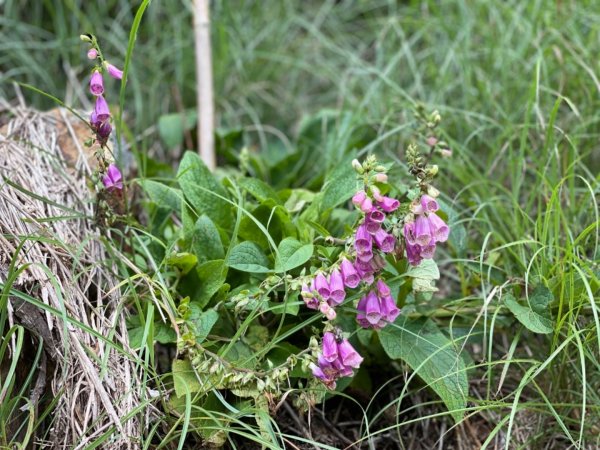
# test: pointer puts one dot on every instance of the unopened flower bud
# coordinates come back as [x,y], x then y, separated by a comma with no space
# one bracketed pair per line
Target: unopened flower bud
[431,141]
[357,166]
[380,169]
[381,178]
[86,37]
[432,192]
[446,152]
[92,53]
[433,170]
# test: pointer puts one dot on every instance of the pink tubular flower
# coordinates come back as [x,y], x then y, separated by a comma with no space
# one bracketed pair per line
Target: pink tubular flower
[428,251]
[423,233]
[330,348]
[101,110]
[389,308]
[429,204]
[365,256]
[103,131]
[383,290]
[409,233]
[376,216]
[359,198]
[388,204]
[439,228]
[362,241]
[385,241]
[96,83]
[113,180]
[337,294]
[413,254]
[347,354]
[113,71]
[349,274]
[322,286]
[373,312]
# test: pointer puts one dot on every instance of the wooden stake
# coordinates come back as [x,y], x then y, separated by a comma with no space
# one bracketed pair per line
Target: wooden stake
[206,144]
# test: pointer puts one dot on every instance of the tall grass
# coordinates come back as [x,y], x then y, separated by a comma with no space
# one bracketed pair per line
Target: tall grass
[518,87]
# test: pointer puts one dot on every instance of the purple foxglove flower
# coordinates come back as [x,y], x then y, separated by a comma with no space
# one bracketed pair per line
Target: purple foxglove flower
[372,227]
[385,241]
[360,313]
[363,240]
[416,209]
[309,299]
[376,216]
[103,131]
[92,53]
[327,311]
[365,257]
[423,233]
[342,370]
[322,286]
[389,308]
[96,83]
[113,178]
[359,198]
[409,233]
[113,71]
[366,276]
[348,355]
[367,205]
[383,290]
[365,266]
[428,251]
[329,347]
[413,254]
[349,274]
[373,312]
[336,287]
[327,379]
[94,122]
[439,227]
[429,204]
[101,109]
[388,204]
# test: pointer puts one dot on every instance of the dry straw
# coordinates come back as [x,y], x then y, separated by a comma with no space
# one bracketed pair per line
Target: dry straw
[96,381]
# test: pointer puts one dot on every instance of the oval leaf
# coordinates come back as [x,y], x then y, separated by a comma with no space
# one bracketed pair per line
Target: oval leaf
[432,356]
[292,253]
[248,257]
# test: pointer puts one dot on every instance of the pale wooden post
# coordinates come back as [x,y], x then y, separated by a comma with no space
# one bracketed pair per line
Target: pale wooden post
[204,82]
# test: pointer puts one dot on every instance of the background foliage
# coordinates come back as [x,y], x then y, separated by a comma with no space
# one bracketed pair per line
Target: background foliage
[305,86]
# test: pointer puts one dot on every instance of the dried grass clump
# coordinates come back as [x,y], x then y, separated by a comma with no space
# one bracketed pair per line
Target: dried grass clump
[46,201]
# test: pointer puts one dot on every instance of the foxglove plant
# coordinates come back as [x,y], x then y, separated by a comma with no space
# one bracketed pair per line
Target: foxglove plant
[101,116]
[377,236]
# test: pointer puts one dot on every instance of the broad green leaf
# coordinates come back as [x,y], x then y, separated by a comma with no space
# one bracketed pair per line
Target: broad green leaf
[163,195]
[202,321]
[183,261]
[298,198]
[292,307]
[212,275]
[206,241]
[432,356]
[248,257]
[171,127]
[292,253]
[259,189]
[184,377]
[340,187]
[536,315]
[426,270]
[203,191]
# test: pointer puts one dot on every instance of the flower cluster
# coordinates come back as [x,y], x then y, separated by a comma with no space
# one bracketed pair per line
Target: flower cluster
[377,308]
[337,359]
[423,230]
[324,292]
[100,116]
